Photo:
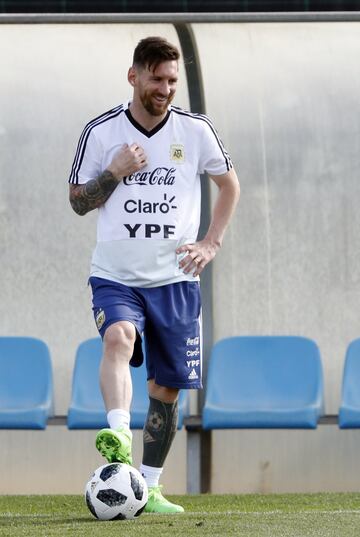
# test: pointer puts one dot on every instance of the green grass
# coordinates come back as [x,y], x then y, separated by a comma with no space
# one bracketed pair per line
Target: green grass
[283,515]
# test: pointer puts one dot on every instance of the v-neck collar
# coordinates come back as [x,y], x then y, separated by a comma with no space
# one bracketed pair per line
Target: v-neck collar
[140,128]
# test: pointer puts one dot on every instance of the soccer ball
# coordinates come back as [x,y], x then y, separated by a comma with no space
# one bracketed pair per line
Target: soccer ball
[116,491]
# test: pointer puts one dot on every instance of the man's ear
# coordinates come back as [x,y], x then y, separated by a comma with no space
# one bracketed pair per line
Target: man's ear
[132,76]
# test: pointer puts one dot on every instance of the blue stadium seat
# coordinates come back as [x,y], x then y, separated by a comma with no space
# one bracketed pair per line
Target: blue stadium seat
[264,382]
[349,412]
[87,409]
[26,385]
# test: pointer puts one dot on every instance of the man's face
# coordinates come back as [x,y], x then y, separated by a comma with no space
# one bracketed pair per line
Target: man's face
[156,88]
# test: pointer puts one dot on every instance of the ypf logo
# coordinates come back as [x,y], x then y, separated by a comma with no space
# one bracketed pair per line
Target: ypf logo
[177,153]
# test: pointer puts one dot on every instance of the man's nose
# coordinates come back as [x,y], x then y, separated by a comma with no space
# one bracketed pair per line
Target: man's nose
[164,88]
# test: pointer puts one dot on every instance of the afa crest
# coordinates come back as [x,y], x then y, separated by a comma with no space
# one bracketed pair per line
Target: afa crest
[177,153]
[100,319]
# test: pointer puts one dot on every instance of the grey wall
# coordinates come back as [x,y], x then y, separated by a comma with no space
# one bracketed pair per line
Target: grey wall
[54,79]
[284,99]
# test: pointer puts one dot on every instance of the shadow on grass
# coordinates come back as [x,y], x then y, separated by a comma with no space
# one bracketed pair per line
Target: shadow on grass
[43,520]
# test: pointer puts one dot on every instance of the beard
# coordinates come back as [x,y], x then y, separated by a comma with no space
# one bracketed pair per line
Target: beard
[155,108]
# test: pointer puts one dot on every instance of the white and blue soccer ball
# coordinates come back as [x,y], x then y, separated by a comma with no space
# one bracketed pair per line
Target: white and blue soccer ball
[116,491]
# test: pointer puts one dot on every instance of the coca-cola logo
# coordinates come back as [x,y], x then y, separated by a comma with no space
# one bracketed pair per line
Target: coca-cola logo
[159,176]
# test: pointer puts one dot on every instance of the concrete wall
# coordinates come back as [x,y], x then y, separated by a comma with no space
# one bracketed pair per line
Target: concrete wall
[59,461]
[54,79]
[284,98]
[281,461]
[290,263]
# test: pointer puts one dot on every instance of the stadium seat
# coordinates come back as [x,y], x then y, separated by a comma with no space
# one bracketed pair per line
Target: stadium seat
[26,384]
[349,412]
[264,382]
[87,409]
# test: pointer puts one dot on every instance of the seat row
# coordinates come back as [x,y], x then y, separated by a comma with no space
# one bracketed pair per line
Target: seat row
[252,382]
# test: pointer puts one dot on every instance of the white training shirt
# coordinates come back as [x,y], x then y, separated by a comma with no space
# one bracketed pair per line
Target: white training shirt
[155,210]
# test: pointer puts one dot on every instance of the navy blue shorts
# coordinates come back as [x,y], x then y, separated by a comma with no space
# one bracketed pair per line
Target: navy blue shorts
[169,318]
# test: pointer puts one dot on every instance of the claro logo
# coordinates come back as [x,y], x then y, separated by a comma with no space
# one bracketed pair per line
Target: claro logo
[159,176]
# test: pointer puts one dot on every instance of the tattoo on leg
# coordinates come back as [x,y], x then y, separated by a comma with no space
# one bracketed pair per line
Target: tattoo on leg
[159,432]
[93,194]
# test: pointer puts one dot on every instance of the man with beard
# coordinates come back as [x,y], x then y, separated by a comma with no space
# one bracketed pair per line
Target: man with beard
[140,164]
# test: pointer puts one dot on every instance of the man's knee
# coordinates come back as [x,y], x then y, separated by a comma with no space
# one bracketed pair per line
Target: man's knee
[119,339]
[162,393]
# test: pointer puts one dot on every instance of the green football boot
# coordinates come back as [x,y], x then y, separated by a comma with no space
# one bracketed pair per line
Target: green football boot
[158,504]
[115,446]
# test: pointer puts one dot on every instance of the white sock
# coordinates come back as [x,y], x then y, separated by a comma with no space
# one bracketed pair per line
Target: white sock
[151,475]
[118,418]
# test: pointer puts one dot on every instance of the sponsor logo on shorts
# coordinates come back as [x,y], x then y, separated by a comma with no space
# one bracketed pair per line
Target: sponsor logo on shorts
[100,319]
[192,341]
[193,375]
[193,363]
[195,352]
[193,355]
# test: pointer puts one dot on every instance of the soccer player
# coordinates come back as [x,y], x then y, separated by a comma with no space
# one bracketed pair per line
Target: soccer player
[139,164]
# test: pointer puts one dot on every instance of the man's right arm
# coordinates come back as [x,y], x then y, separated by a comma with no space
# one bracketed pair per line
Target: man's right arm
[86,197]
[91,195]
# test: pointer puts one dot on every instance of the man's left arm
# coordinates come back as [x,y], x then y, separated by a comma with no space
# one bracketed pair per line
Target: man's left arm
[202,252]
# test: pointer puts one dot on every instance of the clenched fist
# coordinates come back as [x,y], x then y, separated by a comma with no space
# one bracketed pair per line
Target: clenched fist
[127,160]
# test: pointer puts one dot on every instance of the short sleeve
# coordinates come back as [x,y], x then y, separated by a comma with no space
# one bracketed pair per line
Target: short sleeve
[87,161]
[214,158]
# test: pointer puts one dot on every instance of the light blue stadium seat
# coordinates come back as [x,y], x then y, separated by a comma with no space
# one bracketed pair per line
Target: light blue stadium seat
[87,409]
[26,384]
[349,412]
[264,382]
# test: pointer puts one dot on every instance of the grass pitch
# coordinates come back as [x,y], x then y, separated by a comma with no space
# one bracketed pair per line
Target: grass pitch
[283,515]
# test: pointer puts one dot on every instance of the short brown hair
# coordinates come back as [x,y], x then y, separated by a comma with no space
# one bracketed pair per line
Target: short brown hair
[152,51]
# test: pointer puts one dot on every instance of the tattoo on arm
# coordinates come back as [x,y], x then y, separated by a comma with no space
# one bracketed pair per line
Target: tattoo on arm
[89,196]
